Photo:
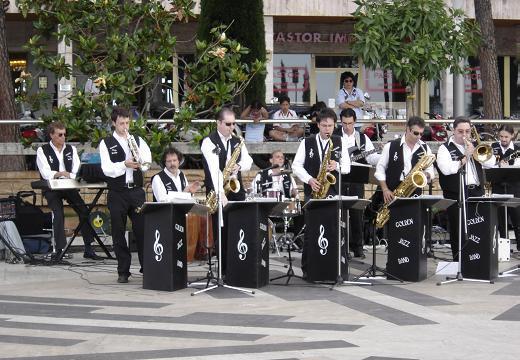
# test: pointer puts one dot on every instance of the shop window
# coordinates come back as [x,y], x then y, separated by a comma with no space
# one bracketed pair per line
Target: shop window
[291,77]
[473,100]
[336,62]
[387,95]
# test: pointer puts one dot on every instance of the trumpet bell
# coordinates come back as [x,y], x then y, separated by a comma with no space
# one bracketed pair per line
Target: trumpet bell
[483,153]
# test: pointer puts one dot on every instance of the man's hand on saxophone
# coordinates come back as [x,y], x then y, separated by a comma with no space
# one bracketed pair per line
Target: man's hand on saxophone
[388,195]
[314,184]
[332,165]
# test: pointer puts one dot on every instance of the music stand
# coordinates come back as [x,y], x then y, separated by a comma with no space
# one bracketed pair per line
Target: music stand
[504,176]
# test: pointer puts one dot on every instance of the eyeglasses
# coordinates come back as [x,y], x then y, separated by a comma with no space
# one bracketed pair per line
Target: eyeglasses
[349,81]
[417,133]
[229,124]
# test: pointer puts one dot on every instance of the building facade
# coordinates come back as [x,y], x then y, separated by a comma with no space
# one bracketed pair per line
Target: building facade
[308,49]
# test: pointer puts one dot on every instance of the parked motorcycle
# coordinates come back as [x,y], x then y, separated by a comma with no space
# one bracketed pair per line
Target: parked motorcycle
[435,132]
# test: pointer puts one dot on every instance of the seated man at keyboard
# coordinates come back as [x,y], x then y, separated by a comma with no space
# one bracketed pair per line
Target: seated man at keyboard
[57,160]
[171,183]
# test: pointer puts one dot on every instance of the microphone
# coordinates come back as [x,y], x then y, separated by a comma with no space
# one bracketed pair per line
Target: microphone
[275,166]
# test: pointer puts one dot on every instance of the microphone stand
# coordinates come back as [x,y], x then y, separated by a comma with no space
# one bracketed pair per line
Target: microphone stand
[339,277]
[462,220]
[220,280]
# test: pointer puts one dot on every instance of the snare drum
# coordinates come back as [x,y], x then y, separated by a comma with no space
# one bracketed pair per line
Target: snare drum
[293,208]
[272,193]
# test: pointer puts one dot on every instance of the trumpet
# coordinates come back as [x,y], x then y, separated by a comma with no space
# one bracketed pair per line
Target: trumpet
[134,149]
[483,152]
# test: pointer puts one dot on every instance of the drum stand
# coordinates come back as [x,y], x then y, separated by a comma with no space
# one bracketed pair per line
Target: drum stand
[210,277]
[290,272]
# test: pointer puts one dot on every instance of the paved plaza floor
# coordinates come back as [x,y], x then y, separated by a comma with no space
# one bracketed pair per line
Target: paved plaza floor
[78,311]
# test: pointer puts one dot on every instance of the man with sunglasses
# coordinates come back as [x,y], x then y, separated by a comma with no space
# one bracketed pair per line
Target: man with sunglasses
[350,97]
[399,156]
[216,150]
[57,160]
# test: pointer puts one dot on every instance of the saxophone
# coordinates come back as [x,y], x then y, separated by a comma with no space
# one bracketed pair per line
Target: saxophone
[134,149]
[231,183]
[415,179]
[326,179]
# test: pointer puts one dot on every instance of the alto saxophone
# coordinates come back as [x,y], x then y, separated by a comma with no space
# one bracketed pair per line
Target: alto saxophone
[231,182]
[134,149]
[415,179]
[325,178]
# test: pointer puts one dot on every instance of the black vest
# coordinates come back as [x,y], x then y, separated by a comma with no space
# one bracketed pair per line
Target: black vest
[451,182]
[512,187]
[266,183]
[220,150]
[359,147]
[497,152]
[117,154]
[312,161]
[53,161]
[396,163]
[168,183]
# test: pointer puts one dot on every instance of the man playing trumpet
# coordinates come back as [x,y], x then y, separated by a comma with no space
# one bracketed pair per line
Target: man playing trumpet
[456,153]
[125,187]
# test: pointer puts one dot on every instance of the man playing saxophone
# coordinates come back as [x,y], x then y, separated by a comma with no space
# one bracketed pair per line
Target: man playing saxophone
[126,195]
[399,156]
[224,154]
[317,162]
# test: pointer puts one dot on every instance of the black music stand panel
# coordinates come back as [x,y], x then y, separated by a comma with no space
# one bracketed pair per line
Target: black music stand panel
[358,174]
[165,253]
[248,243]
[321,235]
[407,236]
[480,253]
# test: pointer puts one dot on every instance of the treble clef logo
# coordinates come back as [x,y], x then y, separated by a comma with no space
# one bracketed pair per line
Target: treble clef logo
[323,243]
[157,246]
[242,246]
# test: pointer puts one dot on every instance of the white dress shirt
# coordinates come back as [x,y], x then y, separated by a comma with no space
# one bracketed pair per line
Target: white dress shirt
[449,167]
[208,151]
[43,163]
[382,164]
[299,159]
[117,169]
[279,115]
[503,150]
[159,191]
[350,140]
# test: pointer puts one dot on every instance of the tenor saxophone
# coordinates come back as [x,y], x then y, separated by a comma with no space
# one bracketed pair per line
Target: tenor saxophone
[415,179]
[325,178]
[231,183]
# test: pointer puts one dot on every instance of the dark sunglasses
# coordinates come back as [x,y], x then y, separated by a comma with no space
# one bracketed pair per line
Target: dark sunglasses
[417,133]
[349,81]
[230,124]
[61,135]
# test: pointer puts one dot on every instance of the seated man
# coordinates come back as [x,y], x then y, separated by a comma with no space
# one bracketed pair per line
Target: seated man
[168,183]
[57,160]
[285,131]
[275,178]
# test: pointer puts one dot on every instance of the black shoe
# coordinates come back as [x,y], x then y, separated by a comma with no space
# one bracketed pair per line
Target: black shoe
[122,279]
[92,255]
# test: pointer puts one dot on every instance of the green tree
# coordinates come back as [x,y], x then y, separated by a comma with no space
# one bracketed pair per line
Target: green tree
[125,47]
[247,26]
[415,39]
[8,133]
[488,61]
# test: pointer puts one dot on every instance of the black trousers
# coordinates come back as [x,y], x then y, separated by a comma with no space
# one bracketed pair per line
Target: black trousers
[512,213]
[454,220]
[55,202]
[123,204]
[356,216]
